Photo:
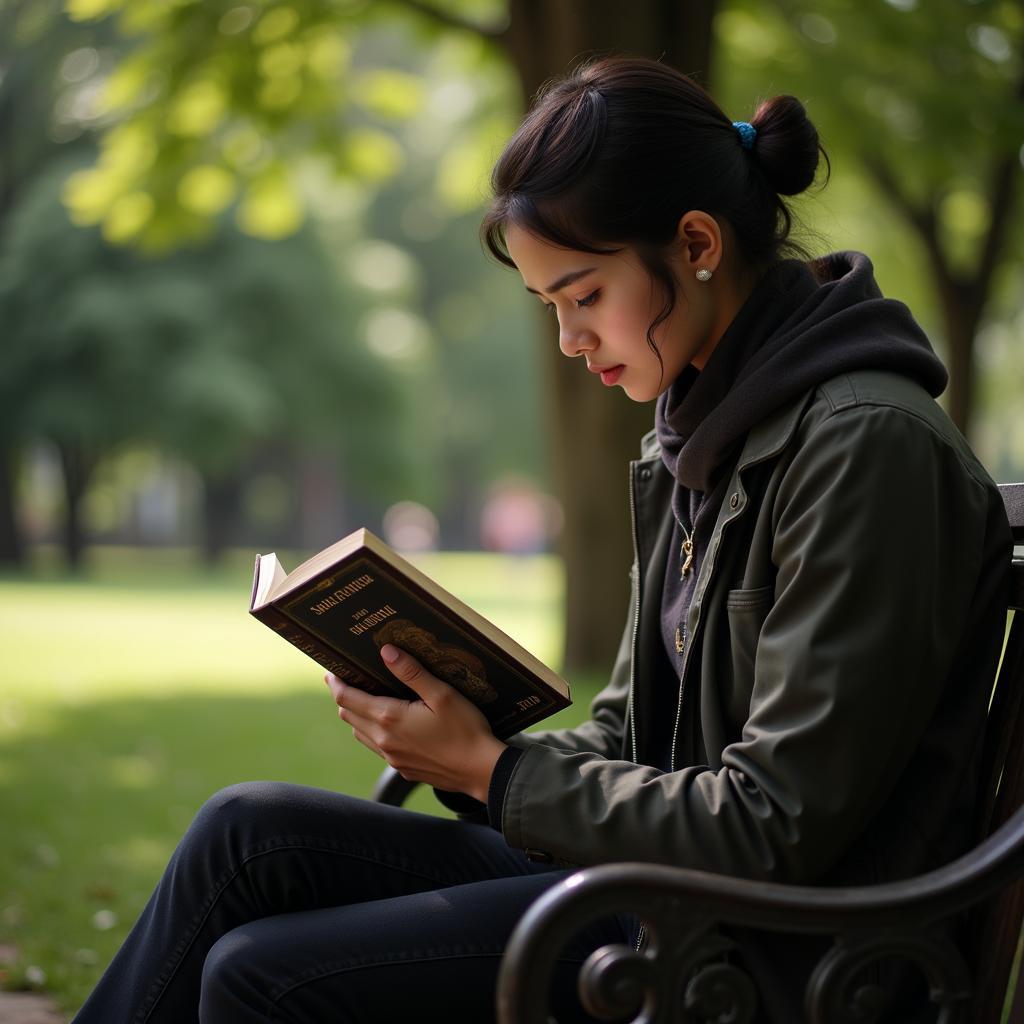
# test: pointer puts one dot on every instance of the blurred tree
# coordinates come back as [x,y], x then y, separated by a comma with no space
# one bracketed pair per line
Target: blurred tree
[210,354]
[215,98]
[483,410]
[929,100]
[35,43]
[59,352]
[267,357]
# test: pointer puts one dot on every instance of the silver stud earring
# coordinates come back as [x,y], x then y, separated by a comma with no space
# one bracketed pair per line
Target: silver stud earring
[703,274]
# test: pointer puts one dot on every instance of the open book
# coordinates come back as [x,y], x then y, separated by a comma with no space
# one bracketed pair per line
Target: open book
[343,604]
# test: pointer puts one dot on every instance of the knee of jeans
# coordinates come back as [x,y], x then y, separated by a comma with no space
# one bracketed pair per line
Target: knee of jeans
[241,803]
[232,984]
[230,815]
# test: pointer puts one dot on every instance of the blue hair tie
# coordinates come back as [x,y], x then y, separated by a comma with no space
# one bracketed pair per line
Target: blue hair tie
[747,133]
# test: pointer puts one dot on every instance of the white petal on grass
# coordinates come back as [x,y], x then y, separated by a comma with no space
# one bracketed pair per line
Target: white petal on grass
[104,920]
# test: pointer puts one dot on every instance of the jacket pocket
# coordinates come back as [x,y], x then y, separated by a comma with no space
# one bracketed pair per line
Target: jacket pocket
[747,610]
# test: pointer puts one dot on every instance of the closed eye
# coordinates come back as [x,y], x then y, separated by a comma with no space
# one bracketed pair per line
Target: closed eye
[588,300]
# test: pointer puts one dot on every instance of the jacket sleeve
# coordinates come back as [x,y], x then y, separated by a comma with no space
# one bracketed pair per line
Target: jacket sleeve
[878,540]
[601,734]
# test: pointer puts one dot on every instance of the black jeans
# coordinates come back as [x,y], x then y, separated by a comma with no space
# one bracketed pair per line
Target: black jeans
[286,903]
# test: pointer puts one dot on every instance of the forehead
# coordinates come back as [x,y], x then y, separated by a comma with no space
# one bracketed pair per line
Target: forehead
[542,264]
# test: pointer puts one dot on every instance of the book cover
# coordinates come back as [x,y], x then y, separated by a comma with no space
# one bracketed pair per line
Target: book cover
[343,605]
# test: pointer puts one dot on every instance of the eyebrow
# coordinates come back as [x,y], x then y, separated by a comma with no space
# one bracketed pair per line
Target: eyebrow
[564,281]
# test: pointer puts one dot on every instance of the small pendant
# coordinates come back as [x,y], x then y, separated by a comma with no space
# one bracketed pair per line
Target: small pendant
[688,561]
[679,641]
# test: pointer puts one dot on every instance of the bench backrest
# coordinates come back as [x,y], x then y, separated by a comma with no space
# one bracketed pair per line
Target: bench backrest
[995,929]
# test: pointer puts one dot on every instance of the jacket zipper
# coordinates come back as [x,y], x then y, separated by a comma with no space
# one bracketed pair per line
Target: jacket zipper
[636,612]
[632,650]
[688,551]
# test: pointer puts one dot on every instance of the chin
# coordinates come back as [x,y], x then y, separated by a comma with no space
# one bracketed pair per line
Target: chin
[642,395]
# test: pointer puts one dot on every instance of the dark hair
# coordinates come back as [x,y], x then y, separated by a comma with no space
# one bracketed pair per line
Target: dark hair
[614,153]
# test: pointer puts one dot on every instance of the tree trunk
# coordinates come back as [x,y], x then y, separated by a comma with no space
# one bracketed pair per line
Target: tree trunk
[77,465]
[12,547]
[961,321]
[221,501]
[594,433]
[962,297]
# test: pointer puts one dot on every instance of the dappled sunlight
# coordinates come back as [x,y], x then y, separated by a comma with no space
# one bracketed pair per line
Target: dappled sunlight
[103,642]
[98,792]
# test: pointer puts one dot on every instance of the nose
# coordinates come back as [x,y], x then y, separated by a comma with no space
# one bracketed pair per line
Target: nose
[574,341]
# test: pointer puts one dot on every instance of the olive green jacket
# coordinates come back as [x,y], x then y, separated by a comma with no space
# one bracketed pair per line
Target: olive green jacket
[847,616]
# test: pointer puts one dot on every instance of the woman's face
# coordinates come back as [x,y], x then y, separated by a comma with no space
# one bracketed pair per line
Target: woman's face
[605,304]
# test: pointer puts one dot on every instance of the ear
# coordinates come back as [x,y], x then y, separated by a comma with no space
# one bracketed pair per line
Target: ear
[700,240]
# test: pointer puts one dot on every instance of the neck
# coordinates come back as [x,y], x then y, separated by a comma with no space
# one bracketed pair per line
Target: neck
[730,291]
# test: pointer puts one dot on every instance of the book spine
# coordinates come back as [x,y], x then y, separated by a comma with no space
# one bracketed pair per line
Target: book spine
[323,655]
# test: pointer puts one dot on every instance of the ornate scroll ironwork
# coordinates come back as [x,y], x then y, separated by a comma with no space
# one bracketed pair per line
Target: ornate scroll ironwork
[682,975]
[829,999]
[670,980]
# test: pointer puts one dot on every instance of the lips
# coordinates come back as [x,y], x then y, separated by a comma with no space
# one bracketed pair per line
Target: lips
[609,374]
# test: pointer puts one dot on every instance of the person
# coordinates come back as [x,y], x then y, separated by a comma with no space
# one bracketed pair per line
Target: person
[813,630]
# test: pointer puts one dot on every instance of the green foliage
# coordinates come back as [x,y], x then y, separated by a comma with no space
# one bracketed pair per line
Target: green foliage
[208,353]
[218,104]
[931,91]
[921,108]
[211,102]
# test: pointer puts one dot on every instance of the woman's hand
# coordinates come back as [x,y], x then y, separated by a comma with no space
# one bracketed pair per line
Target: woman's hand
[442,739]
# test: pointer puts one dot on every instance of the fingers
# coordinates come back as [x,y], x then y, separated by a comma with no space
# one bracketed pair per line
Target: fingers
[402,666]
[365,740]
[370,717]
[406,668]
[382,709]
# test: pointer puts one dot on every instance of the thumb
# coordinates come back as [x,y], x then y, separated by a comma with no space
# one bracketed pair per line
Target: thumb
[405,667]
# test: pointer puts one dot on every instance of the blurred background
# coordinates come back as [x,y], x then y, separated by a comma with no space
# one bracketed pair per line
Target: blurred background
[244,308]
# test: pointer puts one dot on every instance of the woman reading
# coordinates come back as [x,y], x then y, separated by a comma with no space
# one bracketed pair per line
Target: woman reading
[790,702]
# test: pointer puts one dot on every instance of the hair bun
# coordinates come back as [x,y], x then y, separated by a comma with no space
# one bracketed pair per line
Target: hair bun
[787,146]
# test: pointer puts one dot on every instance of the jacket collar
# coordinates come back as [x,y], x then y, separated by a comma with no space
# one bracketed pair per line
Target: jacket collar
[769,437]
[764,441]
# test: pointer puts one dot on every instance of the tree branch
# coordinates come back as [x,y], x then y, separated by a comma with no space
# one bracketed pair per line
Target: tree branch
[450,20]
[922,217]
[1001,195]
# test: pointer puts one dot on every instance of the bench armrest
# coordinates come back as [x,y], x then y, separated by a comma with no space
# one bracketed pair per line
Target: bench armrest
[680,909]
[391,788]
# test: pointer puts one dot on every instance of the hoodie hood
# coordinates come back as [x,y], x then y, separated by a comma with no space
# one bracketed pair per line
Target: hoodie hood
[801,325]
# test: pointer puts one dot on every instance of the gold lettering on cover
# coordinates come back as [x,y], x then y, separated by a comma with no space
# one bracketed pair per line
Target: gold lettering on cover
[341,594]
[528,702]
[373,619]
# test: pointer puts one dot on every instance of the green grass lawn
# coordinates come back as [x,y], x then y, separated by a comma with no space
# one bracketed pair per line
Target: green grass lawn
[129,696]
